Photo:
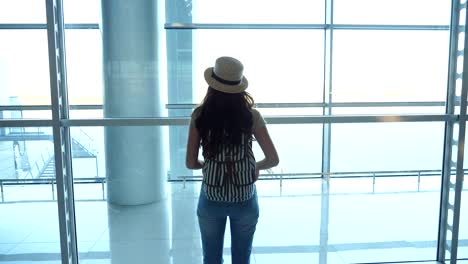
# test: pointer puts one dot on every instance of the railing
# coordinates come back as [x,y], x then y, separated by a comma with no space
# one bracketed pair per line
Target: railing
[83,139]
[258,105]
[280,177]
[28,133]
[36,168]
[337,175]
[39,166]
[48,181]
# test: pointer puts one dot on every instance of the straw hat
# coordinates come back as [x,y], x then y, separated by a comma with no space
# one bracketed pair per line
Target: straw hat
[226,76]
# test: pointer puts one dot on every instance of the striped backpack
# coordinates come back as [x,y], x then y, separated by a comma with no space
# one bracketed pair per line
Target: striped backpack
[233,163]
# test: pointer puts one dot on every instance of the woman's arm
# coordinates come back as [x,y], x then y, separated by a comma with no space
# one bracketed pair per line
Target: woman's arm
[193,145]
[271,156]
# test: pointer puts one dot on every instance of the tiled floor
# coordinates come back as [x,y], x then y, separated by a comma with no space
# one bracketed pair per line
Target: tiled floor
[298,224]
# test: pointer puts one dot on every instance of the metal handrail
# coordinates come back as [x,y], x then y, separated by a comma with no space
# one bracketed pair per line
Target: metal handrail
[348,174]
[36,165]
[192,26]
[86,141]
[259,105]
[269,176]
[280,177]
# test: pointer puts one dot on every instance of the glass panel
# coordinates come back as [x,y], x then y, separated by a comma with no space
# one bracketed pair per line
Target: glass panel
[400,164]
[292,111]
[87,150]
[84,68]
[463,231]
[110,231]
[22,11]
[299,147]
[29,225]
[88,162]
[83,11]
[89,158]
[27,152]
[244,11]
[396,12]
[302,240]
[463,235]
[86,111]
[390,66]
[27,112]
[297,155]
[305,56]
[384,226]
[299,71]
[24,72]
[394,110]
[373,147]
[105,230]
[90,193]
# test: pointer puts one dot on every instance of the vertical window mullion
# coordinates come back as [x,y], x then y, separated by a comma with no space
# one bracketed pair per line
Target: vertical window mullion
[62,150]
[454,137]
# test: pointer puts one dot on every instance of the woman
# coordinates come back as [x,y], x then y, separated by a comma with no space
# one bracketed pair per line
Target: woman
[224,126]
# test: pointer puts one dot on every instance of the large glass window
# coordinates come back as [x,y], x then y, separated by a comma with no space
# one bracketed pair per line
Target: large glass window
[349,192]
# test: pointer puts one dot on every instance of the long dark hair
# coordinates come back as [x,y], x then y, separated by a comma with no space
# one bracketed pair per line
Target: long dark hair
[223,118]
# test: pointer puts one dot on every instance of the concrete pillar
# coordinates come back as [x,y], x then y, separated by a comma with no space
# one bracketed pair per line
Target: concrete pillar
[135,168]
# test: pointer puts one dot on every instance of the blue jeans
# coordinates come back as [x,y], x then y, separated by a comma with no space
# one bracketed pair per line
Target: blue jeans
[212,216]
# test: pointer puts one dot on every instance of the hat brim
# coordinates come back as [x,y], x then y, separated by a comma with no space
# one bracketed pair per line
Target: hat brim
[225,88]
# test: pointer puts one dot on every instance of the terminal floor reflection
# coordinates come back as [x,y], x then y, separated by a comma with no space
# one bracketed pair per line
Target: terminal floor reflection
[300,222]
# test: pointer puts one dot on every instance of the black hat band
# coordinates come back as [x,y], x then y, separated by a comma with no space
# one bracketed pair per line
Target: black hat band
[224,81]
